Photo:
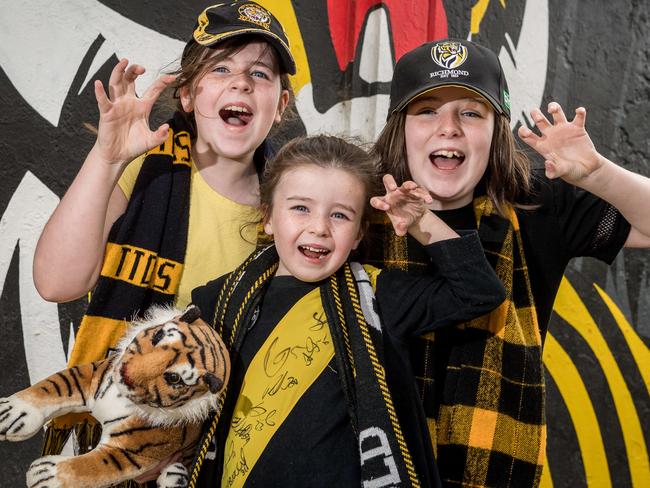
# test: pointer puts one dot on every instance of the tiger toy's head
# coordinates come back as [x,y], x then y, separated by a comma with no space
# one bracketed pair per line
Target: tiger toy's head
[172,365]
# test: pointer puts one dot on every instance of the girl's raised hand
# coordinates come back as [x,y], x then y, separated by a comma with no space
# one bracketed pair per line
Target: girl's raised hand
[566,147]
[123,132]
[405,205]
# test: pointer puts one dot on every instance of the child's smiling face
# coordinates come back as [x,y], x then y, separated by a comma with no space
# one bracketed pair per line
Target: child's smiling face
[315,220]
[236,103]
[448,135]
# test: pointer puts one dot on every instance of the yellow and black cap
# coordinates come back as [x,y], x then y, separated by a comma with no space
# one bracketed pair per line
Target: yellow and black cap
[236,18]
[449,62]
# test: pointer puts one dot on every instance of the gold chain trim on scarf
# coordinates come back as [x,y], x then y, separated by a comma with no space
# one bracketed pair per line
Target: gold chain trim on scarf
[379,374]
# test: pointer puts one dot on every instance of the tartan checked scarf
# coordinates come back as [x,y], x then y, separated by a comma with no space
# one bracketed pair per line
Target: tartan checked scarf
[488,427]
[385,458]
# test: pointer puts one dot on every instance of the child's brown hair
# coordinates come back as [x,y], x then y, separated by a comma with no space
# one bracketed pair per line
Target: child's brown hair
[198,60]
[324,151]
[506,178]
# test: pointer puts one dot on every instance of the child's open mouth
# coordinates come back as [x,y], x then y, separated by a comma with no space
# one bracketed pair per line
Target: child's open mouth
[446,160]
[314,252]
[235,115]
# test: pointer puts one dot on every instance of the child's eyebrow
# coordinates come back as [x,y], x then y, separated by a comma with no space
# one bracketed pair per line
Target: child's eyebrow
[307,199]
[264,64]
[257,62]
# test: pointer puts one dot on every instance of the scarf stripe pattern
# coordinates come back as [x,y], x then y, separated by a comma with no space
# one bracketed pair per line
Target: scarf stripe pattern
[488,425]
[142,266]
[358,356]
[379,373]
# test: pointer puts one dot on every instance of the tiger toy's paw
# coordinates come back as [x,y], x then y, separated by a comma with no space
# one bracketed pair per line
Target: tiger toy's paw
[19,420]
[42,473]
[173,476]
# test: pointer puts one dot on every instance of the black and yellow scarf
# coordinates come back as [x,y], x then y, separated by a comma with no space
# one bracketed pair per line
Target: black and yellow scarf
[358,353]
[143,263]
[488,425]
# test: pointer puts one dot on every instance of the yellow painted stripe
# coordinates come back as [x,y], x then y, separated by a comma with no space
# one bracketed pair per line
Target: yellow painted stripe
[575,396]
[571,308]
[283,11]
[546,481]
[639,350]
[478,11]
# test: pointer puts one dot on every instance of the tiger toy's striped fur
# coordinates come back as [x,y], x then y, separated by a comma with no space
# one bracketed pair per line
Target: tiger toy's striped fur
[150,399]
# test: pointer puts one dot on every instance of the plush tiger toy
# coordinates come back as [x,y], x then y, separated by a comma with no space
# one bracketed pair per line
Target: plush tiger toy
[150,399]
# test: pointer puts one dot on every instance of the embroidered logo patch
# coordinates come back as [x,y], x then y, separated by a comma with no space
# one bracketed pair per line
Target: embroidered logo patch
[256,15]
[449,54]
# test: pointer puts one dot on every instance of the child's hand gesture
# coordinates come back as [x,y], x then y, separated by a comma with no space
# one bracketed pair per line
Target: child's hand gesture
[566,146]
[405,205]
[123,132]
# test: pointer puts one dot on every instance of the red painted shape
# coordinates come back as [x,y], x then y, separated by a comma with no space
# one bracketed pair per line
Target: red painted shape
[412,23]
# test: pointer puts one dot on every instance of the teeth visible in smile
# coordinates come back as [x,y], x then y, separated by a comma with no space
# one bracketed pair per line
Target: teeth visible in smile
[236,108]
[316,249]
[448,154]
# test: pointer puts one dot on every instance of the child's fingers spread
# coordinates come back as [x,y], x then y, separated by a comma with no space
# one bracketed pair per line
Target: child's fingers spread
[131,74]
[409,185]
[551,169]
[389,182]
[100,95]
[379,203]
[581,117]
[423,195]
[115,81]
[541,122]
[556,111]
[157,87]
[161,133]
[525,132]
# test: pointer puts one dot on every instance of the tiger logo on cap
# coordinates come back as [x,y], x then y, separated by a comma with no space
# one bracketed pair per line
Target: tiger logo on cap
[449,54]
[255,14]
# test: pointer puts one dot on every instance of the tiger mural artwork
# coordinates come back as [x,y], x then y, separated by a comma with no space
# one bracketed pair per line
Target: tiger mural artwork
[150,399]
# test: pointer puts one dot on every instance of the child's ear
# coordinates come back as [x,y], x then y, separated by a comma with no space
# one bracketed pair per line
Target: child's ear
[266,220]
[186,99]
[282,105]
[358,240]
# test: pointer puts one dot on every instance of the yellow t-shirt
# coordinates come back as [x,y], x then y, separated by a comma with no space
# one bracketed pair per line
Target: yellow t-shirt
[218,240]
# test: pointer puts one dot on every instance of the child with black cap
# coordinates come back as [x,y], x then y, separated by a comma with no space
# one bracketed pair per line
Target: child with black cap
[448,129]
[150,231]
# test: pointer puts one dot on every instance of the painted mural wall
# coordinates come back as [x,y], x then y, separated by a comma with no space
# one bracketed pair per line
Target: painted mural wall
[593,53]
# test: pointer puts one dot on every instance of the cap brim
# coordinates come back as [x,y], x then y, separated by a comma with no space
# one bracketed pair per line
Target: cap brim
[495,105]
[286,58]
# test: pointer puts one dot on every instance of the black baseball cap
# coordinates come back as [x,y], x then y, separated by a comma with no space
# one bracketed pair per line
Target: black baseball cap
[235,18]
[449,62]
